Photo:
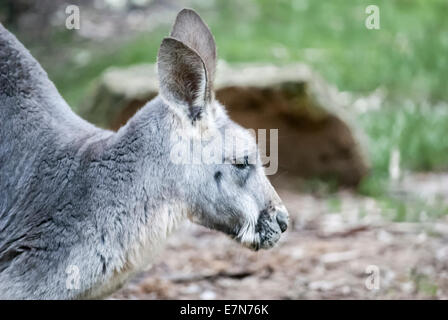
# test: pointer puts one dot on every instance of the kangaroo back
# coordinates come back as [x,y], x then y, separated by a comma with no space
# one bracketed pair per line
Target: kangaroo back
[39,139]
[33,117]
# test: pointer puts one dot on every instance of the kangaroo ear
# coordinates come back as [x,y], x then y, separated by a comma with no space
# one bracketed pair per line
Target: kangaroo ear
[190,29]
[182,77]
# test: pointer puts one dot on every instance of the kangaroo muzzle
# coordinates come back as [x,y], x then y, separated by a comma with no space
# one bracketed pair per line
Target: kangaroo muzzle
[282,219]
[270,226]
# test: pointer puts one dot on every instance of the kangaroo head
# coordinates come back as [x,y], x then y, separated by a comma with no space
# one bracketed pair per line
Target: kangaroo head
[227,189]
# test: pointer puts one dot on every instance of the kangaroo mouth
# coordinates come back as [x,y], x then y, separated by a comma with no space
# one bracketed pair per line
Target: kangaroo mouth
[267,231]
[263,234]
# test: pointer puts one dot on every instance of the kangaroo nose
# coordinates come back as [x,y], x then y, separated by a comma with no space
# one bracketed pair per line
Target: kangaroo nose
[282,220]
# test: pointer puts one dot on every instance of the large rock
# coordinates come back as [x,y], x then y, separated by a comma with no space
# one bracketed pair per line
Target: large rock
[317,137]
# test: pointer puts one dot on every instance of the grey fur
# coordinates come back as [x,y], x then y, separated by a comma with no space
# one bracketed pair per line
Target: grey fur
[181,72]
[187,27]
[72,194]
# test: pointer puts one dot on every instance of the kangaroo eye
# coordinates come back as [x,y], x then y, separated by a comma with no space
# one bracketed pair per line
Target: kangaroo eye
[242,164]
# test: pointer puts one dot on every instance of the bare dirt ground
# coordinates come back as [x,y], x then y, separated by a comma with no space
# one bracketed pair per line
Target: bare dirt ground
[325,254]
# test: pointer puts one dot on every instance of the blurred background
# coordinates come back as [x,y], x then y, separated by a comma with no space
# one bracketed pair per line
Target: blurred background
[362,117]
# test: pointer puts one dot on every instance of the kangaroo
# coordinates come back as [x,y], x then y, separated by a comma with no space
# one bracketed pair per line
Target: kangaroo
[83,209]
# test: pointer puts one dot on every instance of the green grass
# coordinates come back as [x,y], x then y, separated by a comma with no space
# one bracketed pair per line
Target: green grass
[410,210]
[332,37]
[423,283]
[407,56]
[417,132]
[419,135]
